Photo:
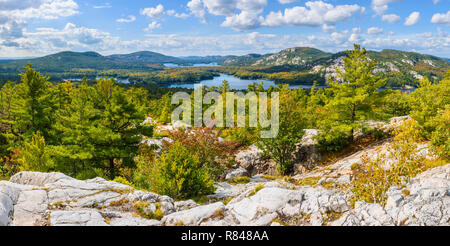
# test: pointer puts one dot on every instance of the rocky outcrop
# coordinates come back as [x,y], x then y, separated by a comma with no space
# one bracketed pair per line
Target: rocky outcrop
[54,199]
[253,161]
[307,154]
[427,204]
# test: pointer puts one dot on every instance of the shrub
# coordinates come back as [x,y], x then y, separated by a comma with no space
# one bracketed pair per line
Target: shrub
[142,209]
[333,139]
[35,156]
[241,180]
[213,154]
[144,166]
[440,138]
[179,174]
[290,131]
[122,180]
[9,165]
[241,135]
[374,177]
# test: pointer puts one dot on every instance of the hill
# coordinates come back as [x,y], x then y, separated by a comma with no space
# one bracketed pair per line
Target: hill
[69,61]
[400,67]
[145,57]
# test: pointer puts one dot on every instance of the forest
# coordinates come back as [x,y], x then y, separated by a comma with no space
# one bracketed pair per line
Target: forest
[95,128]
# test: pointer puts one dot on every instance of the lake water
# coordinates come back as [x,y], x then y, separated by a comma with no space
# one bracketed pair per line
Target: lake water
[124,81]
[214,64]
[234,82]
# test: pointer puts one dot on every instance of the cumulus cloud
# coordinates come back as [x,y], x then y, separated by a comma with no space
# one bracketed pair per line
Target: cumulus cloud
[374,31]
[131,18]
[240,14]
[328,28]
[44,9]
[381,6]
[197,9]
[412,19]
[314,14]
[441,18]
[246,14]
[153,12]
[15,14]
[391,18]
[151,26]
[172,12]
[243,21]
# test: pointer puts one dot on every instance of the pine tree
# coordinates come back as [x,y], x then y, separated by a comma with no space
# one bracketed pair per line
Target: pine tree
[32,107]
[355,89]
[74,125]
[118,133]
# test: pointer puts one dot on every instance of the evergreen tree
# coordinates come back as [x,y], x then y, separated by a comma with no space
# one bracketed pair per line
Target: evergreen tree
[354,90]
[32,107]
[117,134]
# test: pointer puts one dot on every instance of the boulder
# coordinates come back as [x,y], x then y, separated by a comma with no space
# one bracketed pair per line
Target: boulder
[307,155]
[77,218]
[194,216]
[253,161]
[235,173]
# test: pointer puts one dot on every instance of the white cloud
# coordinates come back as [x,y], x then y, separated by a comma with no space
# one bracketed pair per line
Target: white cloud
[131,18]
[381,6]
[441,18]
[15,14]
[246,18]
[47,9]
[328,28]
[374,31]
[243,21]
[153,12]
[153,25]
[436,1]
[172,12]
[412,19]
[392,18]
[44,41]
[197,8]
[314,14]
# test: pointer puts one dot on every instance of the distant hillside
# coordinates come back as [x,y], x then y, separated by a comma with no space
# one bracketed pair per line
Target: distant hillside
[146,57]
[247,60]
[392,63]
[72,61]
[292,56]
[400,67]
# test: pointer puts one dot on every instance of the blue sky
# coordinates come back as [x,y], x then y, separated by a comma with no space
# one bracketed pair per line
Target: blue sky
[221,27]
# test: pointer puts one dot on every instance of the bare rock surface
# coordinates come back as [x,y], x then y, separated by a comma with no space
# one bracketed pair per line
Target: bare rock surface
[36,199]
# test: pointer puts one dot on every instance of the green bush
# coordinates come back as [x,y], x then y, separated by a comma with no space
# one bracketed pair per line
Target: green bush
[440,138]
[178,174]
[35,155]
[333,139]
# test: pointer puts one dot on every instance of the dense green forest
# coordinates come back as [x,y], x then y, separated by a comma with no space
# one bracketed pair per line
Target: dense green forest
[94,128]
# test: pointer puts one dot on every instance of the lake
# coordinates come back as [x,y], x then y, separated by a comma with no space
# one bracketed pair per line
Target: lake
[214,64]
[234,82]
[124,81]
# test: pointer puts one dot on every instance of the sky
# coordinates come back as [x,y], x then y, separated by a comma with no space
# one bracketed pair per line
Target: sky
[30,28]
